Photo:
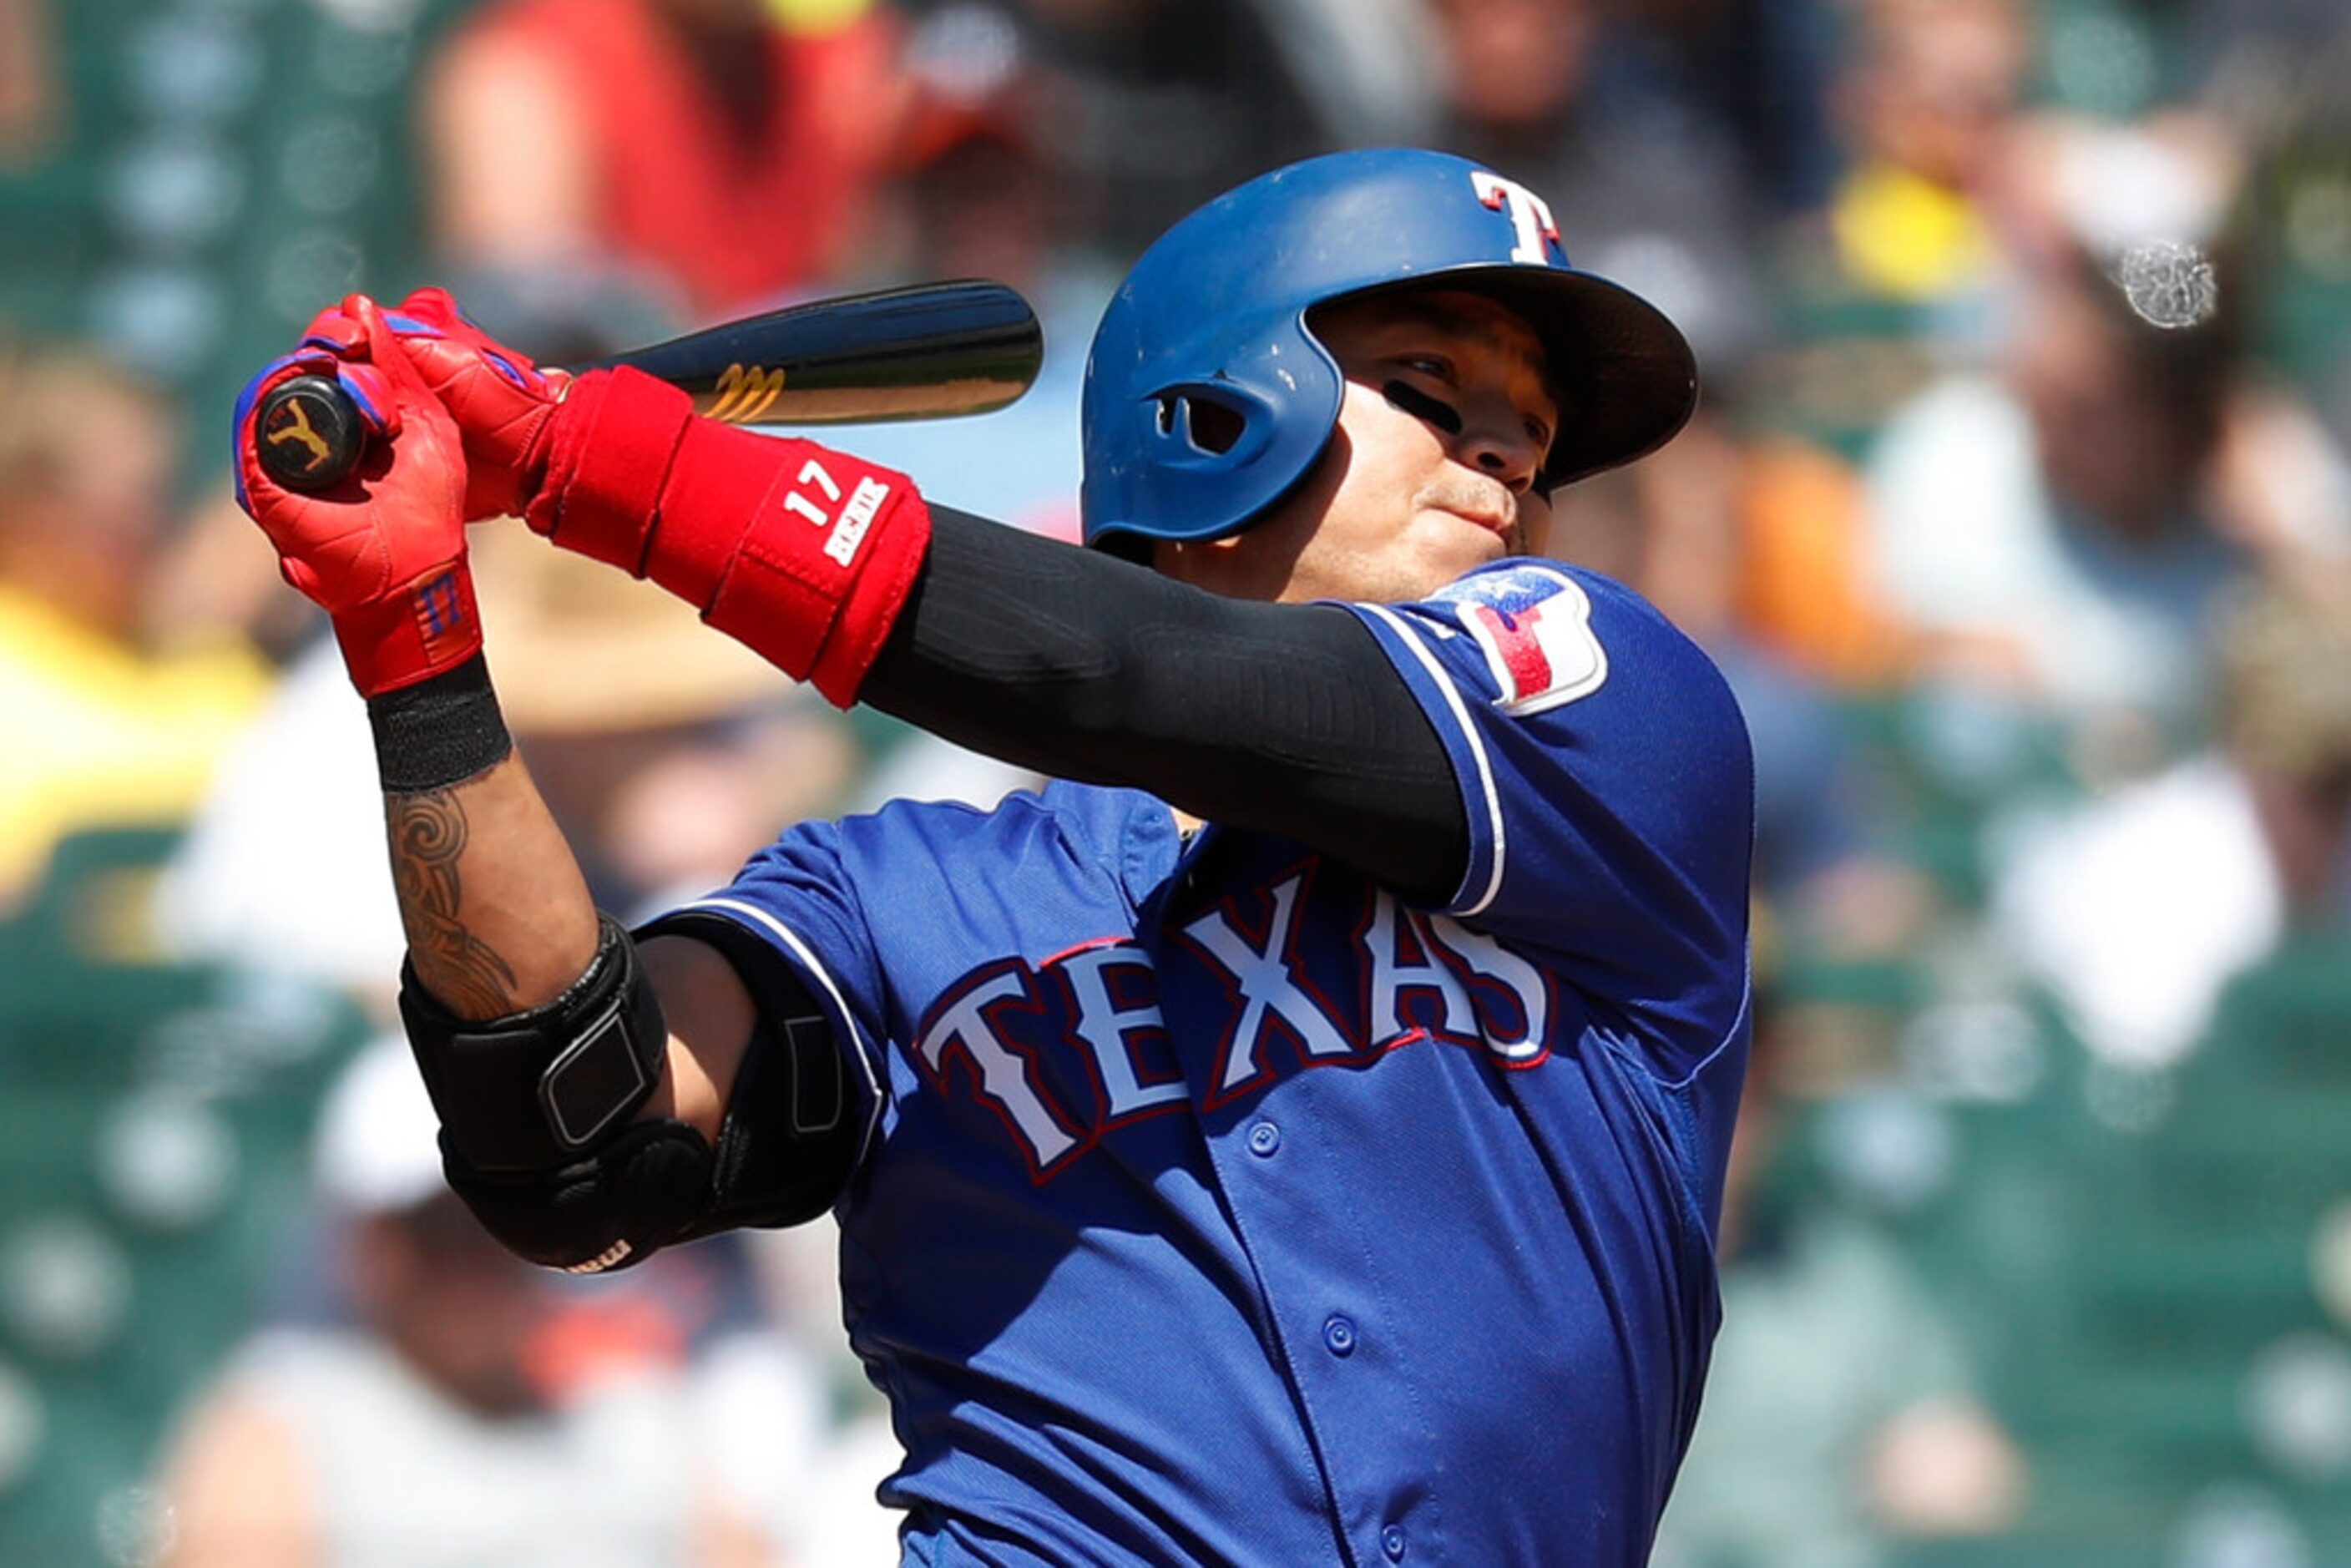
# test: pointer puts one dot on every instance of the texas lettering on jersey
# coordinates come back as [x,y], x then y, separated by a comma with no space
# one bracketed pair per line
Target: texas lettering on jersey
[1089,1019]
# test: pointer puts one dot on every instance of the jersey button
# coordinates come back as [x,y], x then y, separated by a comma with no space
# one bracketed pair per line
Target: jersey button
[1392,1543]
[1264,1138]
[1339,1335]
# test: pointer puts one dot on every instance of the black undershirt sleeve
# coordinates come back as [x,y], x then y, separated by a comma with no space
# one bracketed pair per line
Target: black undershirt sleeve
[1283,718]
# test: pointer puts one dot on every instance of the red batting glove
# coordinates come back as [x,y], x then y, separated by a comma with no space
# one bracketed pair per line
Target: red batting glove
[802,553]
[383,553]
[501,401]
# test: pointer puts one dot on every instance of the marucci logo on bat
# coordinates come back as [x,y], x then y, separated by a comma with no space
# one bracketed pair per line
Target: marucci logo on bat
[746,393]
[295,425]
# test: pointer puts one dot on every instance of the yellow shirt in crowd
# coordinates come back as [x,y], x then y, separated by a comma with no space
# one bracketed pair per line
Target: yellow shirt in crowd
[96,734]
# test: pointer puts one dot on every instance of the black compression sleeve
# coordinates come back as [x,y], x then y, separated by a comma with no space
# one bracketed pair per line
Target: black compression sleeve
[1286,719]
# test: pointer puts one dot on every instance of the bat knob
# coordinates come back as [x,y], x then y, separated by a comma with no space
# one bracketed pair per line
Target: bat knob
[308,433]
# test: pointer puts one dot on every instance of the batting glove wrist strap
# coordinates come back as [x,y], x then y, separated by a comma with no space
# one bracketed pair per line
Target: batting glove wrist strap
[803,554]
[428,627]
[439,732]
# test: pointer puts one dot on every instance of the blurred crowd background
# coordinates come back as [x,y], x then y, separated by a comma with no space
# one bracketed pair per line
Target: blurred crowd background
[2018,512]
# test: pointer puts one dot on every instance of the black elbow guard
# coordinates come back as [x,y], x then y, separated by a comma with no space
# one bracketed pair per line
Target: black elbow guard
[535,1108]
[603,1211]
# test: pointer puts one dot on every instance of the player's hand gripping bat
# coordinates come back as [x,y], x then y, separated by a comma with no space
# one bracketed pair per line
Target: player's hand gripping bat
[927,351]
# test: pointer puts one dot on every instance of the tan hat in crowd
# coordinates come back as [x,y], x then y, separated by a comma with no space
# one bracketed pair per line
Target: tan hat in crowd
[2286,658]
[579,648]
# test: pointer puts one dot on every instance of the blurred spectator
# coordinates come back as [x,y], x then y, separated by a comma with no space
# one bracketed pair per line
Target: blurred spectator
[220,581]
[2272,71]
[464,1407]
[29,81]
[2137,910]
[1842,1416]
[1549,93]
[1906,272]
[2290,52]
[1928,99]
[1761,67]
[725,154]
[977,193]
[2122,391]
[1670,528]
[99,727]
[2064,528]
[1805,589]
[669,754]
[972,193]
[2041,203]
[2126,193]
[1166,103]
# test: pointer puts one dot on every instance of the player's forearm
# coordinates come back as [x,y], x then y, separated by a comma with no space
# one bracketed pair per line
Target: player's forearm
[577,1127]
[498,915]
[499,919]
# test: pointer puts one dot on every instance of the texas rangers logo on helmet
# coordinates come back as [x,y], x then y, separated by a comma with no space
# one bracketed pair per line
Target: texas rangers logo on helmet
[1530,218]
[1534,626]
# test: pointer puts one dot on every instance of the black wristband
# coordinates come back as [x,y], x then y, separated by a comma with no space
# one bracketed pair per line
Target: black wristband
[438,732]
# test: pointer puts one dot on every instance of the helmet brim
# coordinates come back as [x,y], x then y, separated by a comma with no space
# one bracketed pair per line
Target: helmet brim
[1626,374]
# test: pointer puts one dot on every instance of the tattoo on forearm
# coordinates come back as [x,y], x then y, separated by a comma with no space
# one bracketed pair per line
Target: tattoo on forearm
[428,834]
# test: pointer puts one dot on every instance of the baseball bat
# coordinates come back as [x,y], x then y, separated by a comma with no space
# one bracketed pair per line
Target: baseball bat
[927,351]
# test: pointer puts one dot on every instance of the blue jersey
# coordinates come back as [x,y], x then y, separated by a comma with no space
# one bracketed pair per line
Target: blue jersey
[1216,1206]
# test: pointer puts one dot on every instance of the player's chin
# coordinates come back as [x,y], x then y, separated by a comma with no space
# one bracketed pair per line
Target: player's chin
[1455,549]
[1474,541]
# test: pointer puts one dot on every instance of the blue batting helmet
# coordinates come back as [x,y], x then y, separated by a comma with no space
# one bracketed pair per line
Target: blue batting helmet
[1215,314]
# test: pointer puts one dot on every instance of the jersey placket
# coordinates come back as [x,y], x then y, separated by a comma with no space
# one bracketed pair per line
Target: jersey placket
[1316,1264]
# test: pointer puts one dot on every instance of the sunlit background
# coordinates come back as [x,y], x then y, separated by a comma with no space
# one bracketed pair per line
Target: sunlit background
[2018,511]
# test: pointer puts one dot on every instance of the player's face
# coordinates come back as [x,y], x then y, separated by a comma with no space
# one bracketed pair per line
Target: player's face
[1447,417]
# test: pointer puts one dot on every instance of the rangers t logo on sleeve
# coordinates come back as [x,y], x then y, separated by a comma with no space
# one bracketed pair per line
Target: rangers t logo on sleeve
[1534,624]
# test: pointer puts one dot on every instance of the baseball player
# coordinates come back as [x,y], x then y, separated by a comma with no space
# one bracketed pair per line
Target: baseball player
[1294,1136]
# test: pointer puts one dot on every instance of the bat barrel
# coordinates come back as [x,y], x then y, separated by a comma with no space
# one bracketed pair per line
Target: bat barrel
[928,351]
